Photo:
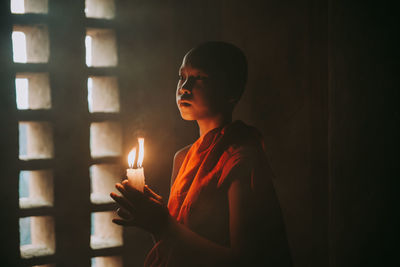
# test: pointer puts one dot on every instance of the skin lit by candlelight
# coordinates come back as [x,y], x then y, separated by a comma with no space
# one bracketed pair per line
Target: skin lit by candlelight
[141,152]
[131,157]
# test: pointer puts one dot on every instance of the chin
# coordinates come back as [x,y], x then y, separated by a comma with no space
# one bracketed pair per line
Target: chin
[187,117]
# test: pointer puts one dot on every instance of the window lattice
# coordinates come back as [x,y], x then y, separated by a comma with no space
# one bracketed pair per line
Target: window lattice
[50,120]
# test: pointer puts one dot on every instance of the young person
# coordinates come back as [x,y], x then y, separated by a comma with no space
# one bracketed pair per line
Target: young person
[222,209]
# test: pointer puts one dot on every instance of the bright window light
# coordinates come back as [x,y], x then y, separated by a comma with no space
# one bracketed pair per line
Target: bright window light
[101,9]
[19,47]
[36,236]
[25,231]
[88,44]
[21,86]
[112,261]
[90,87]
[17,6]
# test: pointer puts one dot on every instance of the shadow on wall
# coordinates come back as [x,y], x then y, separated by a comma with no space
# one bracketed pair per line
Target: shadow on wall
[275,39]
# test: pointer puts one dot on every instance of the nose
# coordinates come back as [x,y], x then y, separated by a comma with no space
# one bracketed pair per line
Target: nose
[186,87]
[182,90]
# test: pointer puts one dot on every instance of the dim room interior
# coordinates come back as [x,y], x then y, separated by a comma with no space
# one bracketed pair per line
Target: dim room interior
[82,80]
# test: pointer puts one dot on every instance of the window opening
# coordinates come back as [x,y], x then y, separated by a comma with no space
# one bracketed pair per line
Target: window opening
[19,47]
[29,6]
[21,87]
[102,179]
[88,45]
[105,139]
[101,48]
[104,232]
[103,94]
[100,9]
[32,91]
[35,189]
[36,236]
[35,140]
[17,6]
[30,44]
[113,261]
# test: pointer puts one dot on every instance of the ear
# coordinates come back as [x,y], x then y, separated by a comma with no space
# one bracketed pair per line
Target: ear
[232,101]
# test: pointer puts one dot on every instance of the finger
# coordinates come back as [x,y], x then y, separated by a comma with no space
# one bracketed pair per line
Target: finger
[125,193]
[130,189]
[129,192]
[123,202]
[120,188]
[156,201]
[124,222]
[124,214]
[121,222]
[152,193]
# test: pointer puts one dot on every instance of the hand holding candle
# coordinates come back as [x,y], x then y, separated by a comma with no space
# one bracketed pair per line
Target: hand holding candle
[144,210]
[138,205]
[136,176]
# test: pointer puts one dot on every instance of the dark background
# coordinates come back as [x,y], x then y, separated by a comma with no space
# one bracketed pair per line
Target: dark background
[321,89]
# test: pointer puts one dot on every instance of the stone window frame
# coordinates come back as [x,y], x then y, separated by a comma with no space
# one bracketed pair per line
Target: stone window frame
[51,217]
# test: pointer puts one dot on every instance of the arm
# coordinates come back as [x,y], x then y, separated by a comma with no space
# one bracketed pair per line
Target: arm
[202,250]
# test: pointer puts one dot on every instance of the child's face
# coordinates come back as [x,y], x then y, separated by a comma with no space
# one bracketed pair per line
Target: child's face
[197,93]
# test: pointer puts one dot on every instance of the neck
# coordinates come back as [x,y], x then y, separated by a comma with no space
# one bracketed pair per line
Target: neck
[206,125]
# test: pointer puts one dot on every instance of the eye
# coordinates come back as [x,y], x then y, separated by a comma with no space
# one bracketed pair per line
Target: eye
[200,78]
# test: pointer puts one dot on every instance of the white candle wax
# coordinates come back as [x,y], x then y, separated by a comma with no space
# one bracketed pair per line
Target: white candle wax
[136,178]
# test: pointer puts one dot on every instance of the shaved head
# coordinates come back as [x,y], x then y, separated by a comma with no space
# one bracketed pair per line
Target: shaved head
[224,62]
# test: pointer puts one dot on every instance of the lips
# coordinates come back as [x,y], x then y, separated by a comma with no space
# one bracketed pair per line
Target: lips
[184,103]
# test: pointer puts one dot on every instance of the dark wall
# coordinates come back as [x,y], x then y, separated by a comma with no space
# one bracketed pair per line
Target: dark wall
[363,133]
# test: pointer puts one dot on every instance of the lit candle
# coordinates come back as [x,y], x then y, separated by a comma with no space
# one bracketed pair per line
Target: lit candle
[136,175]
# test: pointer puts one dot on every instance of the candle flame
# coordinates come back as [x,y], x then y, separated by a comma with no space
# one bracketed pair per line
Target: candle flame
[141,152]
[131,157]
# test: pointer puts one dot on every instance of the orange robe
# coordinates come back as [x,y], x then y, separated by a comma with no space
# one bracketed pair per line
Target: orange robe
[199,197]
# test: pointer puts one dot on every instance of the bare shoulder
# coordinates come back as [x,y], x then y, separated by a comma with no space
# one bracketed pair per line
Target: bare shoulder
[181,154]
[178,160]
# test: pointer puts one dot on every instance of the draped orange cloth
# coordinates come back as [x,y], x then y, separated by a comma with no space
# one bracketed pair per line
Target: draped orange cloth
[199,194]
[205,165]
